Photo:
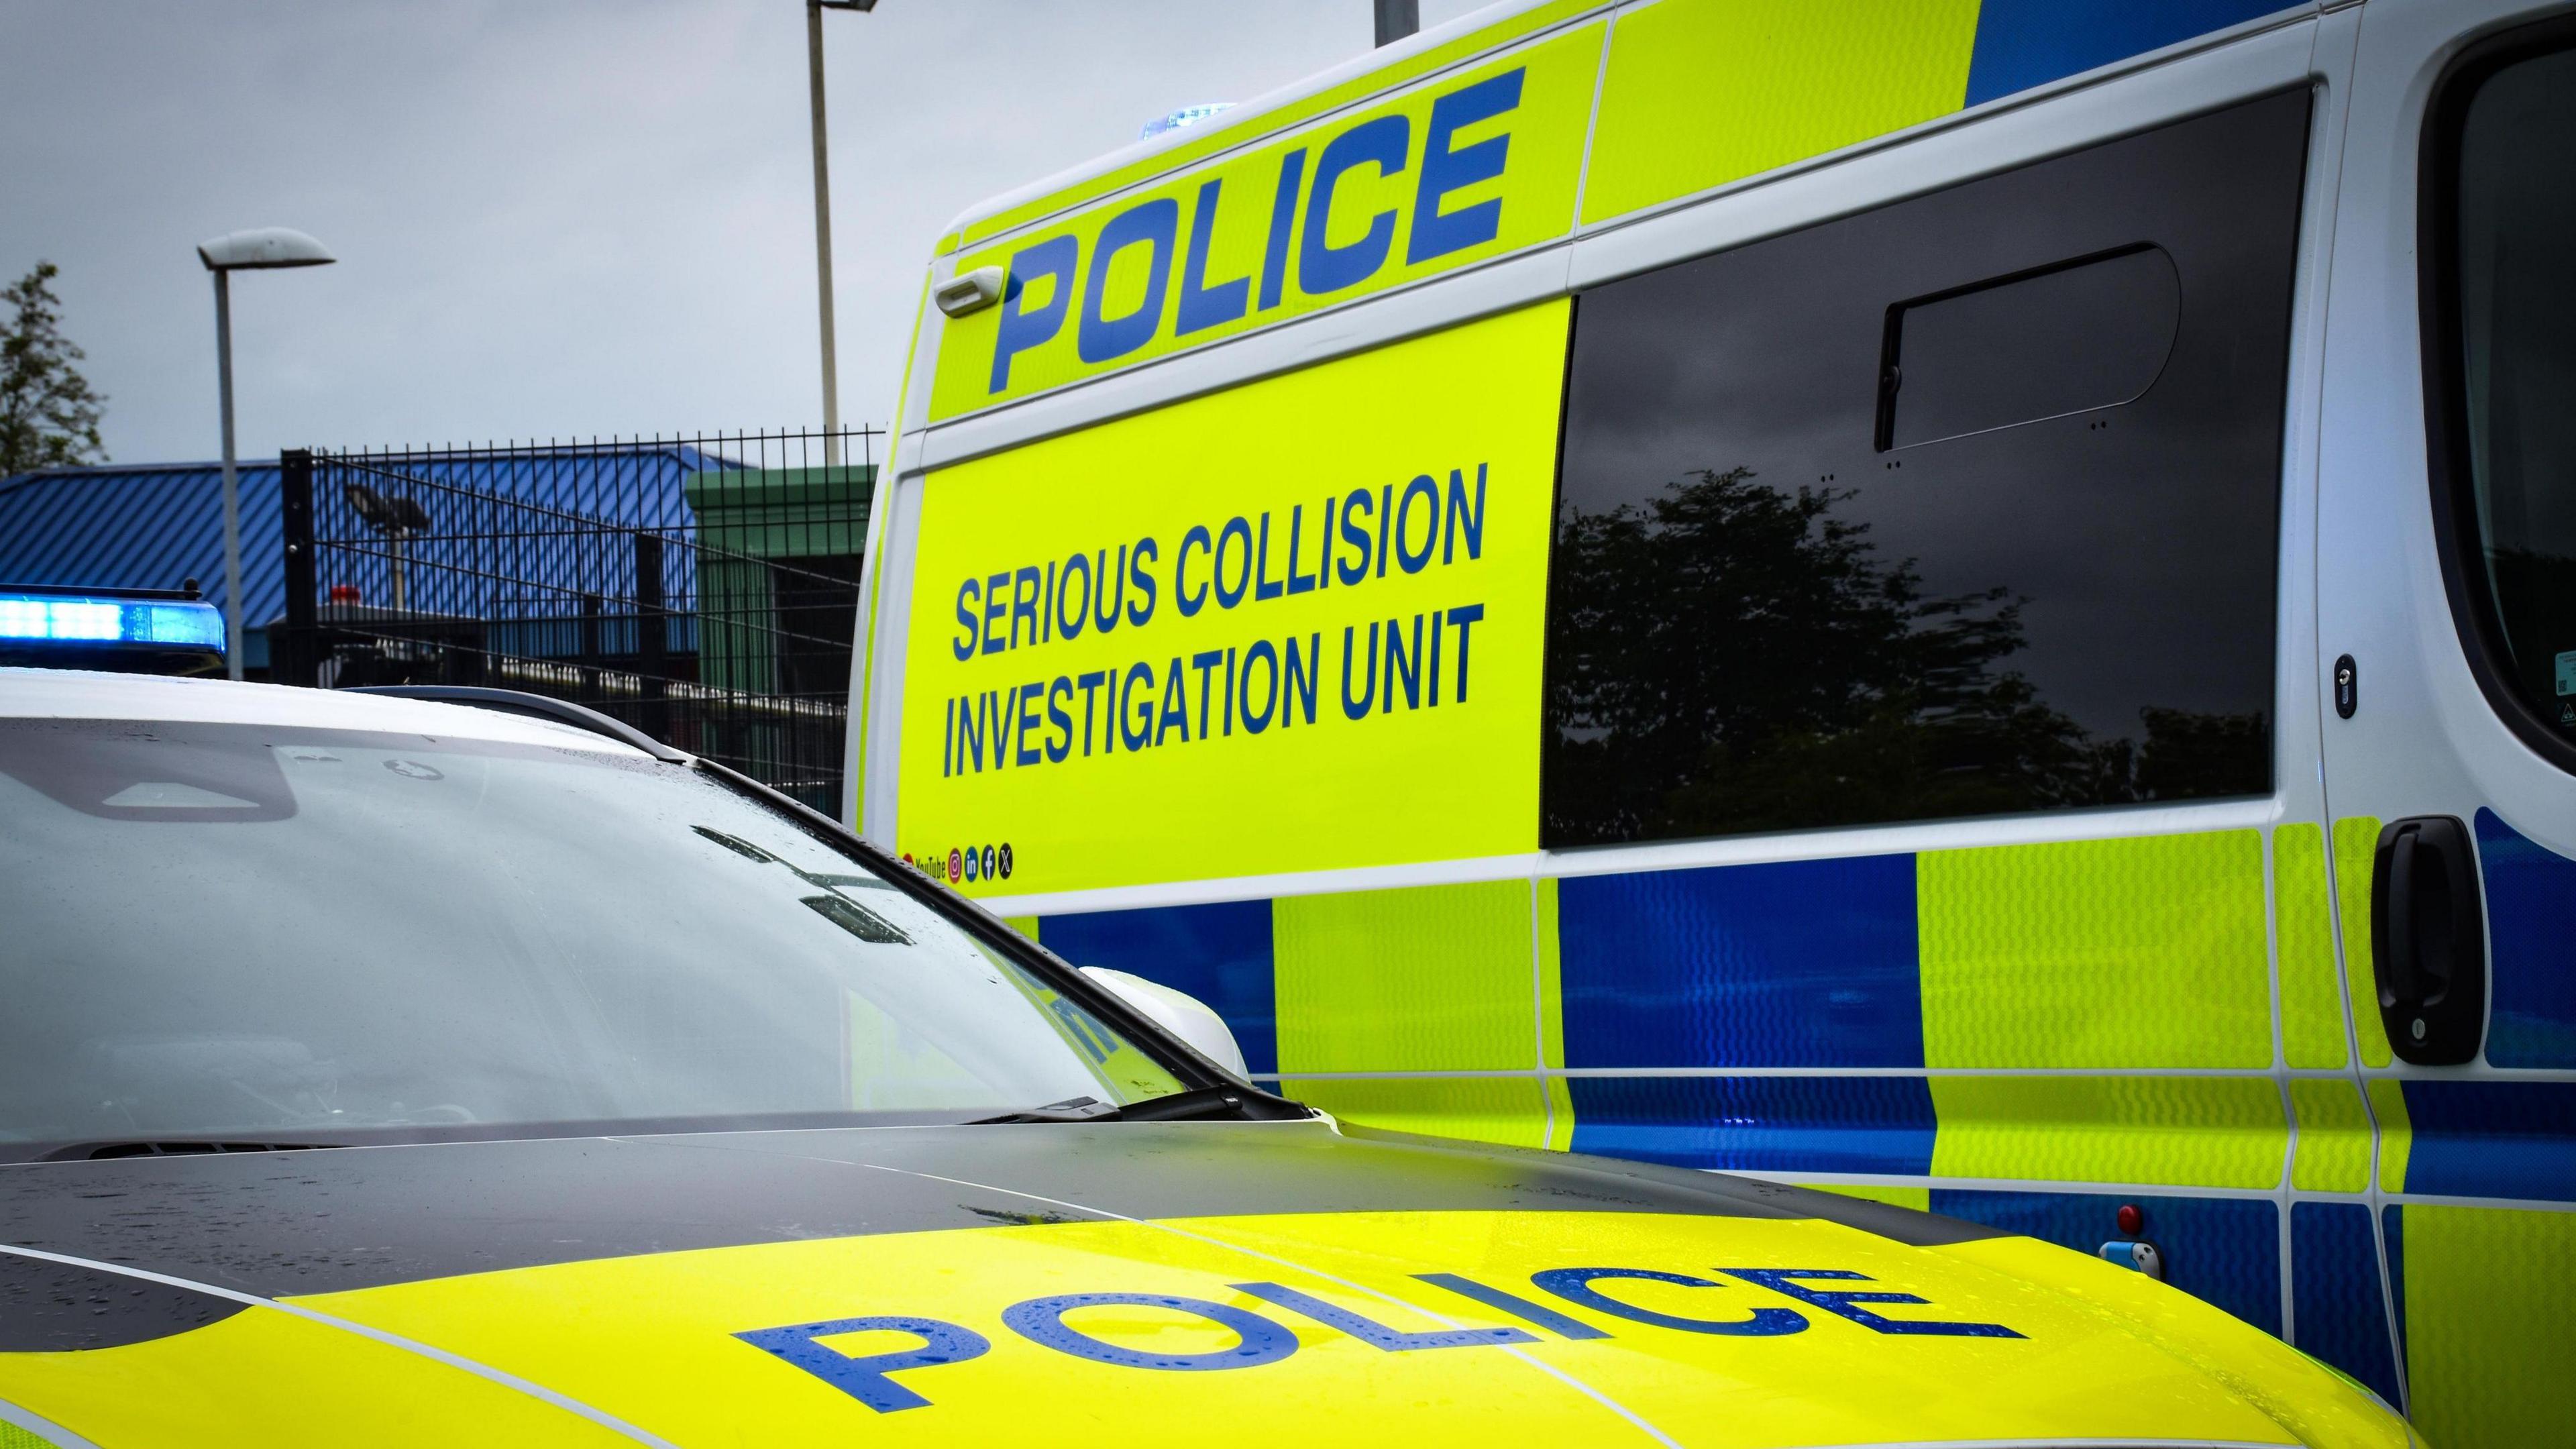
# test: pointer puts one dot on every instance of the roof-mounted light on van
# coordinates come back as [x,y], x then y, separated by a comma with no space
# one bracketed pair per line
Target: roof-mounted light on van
[83,628]
[969,291]
[1182,119]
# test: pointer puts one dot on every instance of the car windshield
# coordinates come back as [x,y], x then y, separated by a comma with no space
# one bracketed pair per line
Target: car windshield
[283,935]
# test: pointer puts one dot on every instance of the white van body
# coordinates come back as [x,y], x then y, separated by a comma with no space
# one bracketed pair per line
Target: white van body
[2159,995]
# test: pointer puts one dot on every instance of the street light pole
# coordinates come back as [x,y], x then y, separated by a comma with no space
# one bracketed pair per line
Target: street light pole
[262,249]
[823,218]
[232,486]
[1397,19]
[823,234]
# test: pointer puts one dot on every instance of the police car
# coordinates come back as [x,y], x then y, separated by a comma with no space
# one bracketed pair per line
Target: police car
[395,1070]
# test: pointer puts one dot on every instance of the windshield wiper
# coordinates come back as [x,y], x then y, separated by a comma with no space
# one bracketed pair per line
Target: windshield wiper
[170,1147]
[1204,1102]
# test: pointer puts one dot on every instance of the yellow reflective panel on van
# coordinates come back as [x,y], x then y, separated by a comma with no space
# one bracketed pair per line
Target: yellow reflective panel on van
[1463,168]
[1292,648]
[1698,93]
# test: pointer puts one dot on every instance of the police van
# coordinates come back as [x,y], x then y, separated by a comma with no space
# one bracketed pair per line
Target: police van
[1971,603]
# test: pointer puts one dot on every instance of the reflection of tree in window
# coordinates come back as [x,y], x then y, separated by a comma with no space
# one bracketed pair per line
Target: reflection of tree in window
[1732,657]
[1965,505]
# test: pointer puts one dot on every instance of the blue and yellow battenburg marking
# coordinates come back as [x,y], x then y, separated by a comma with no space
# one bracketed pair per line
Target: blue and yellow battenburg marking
[2011,957]
[1266,218]
[1361,1327]
[1839,989]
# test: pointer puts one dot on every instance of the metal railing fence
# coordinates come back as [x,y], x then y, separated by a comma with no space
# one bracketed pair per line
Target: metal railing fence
[702,588]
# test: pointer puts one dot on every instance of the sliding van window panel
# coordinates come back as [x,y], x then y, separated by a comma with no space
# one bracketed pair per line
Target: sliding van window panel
[2514,291]
[1963,506]
[2091,333]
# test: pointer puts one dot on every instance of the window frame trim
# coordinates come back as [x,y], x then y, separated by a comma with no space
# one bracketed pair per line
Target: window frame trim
[2441,332]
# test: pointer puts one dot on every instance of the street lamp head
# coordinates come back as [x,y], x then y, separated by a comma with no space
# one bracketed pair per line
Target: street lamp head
[862,6]
[391,516]
[263,247]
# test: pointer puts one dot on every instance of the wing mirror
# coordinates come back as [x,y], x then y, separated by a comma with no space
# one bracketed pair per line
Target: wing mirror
[1178,1012]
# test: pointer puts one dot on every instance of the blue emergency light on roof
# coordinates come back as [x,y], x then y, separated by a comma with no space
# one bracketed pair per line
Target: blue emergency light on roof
[108,621]
[160,630]
[1182,119]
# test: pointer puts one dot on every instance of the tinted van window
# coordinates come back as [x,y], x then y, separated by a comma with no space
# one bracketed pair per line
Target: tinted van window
[2038,574]
[2515,294]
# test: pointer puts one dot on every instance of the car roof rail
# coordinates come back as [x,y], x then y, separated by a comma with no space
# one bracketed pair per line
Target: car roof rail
[533,706]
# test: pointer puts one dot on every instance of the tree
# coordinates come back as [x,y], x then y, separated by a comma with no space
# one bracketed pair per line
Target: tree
[48,415]
[1731,657]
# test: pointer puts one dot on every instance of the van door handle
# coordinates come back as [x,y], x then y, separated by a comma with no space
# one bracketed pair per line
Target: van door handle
[2428,946]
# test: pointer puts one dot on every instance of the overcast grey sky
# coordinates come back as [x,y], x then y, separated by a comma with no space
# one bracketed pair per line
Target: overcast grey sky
[554,217]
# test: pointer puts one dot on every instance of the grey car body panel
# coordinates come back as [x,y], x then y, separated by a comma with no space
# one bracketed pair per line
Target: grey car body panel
[281,1224]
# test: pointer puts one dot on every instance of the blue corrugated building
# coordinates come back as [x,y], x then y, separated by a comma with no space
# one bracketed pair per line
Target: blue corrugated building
[153,525]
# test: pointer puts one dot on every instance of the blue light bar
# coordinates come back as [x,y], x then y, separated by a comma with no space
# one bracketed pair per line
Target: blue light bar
[1182,119]
[74,620]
